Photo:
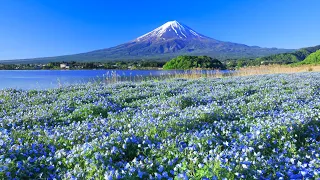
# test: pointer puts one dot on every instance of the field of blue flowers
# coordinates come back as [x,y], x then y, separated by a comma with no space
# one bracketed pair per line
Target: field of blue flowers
[256,127]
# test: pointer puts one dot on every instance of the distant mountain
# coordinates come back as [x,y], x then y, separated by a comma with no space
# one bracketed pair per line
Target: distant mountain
[289,58]
[167,41]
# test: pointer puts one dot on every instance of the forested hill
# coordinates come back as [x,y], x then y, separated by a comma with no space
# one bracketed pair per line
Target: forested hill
[288,58]
[192,62]
[313,59]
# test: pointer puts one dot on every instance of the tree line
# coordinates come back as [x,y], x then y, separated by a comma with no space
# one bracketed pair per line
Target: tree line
[86,65]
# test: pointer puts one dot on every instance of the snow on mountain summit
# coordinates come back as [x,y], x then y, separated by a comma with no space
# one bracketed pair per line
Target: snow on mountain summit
[170,30]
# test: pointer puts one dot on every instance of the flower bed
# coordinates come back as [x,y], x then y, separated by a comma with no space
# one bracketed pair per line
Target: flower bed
[255,127]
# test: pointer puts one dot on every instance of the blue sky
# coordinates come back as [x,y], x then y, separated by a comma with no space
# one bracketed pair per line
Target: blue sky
[38,28]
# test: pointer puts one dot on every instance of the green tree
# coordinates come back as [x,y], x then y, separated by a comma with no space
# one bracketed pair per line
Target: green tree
[191,62]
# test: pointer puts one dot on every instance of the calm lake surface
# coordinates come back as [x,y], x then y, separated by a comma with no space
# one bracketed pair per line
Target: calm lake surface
[44,79]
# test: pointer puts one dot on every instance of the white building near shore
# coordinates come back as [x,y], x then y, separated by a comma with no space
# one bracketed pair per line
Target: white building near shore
[64,66]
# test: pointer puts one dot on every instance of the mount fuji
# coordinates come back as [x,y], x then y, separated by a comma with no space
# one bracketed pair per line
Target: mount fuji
[169,40]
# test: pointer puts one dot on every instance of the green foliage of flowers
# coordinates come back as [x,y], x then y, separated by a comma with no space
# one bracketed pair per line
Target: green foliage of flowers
[256,127]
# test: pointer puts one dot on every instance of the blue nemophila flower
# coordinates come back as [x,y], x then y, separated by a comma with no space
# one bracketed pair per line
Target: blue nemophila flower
[172,172]
[108,176]
[183,176]
[160,169]
[141,174]
[200,165]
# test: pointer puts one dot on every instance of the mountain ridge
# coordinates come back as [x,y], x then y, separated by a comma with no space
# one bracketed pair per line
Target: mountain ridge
[167,41]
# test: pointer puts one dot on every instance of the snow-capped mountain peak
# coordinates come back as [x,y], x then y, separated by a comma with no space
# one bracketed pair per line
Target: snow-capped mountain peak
[171,30]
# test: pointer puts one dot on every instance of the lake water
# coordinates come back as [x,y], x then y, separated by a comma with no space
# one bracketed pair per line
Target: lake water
[44,79]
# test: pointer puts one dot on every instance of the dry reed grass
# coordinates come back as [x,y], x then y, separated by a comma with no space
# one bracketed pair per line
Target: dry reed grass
[275,69]
[195,74]
[113,77]
[249,71]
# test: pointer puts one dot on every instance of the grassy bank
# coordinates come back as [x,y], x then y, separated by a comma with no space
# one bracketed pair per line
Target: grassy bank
[264,127]
[275,69]
[244,71]
[248,71]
